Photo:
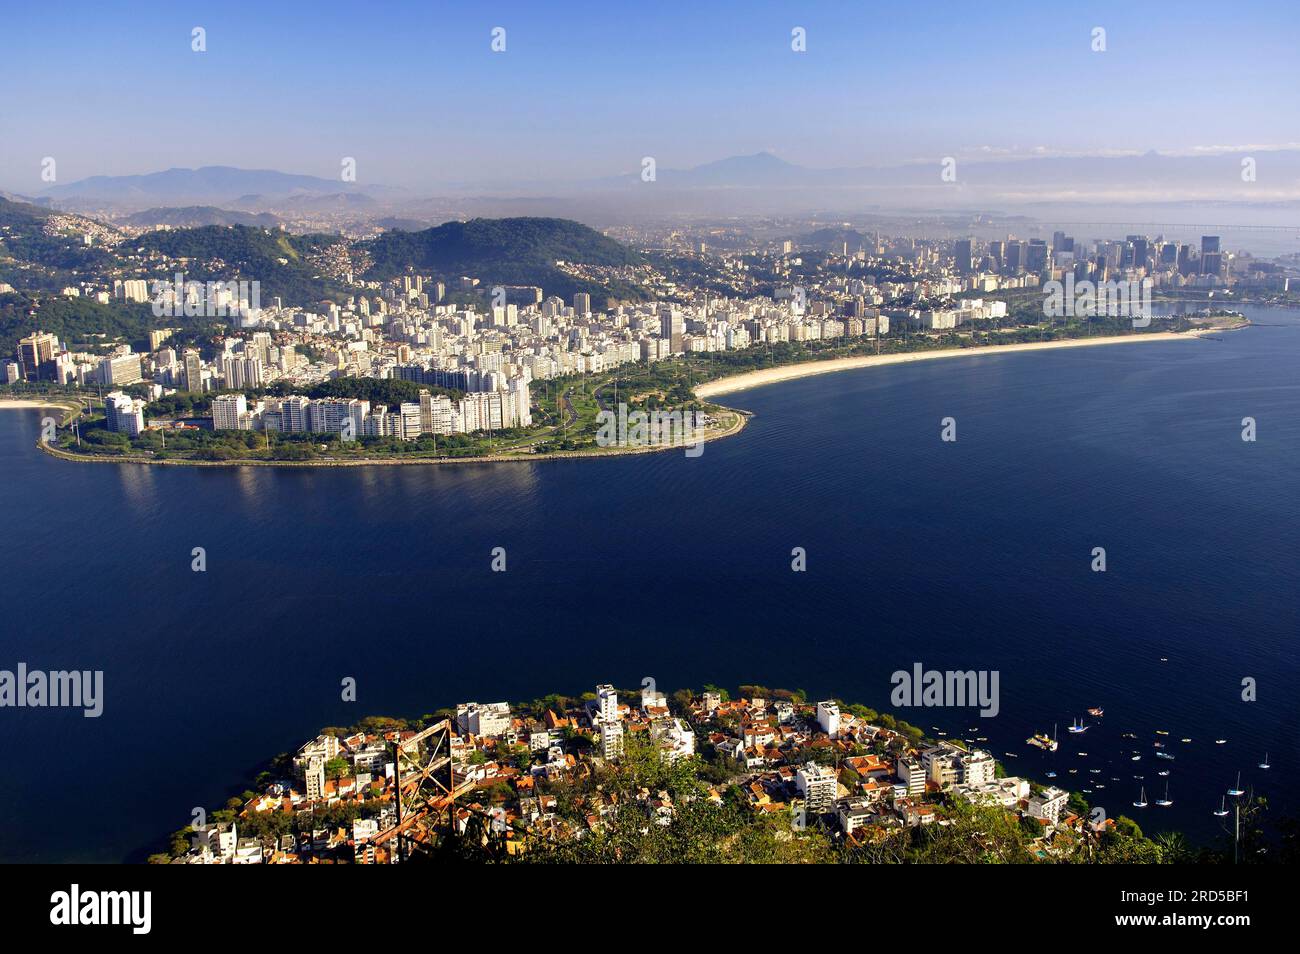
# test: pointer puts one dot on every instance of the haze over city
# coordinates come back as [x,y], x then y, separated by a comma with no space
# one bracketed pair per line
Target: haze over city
[418,97]
[448,435]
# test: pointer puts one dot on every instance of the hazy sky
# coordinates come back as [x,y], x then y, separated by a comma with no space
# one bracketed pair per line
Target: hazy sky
[414,92]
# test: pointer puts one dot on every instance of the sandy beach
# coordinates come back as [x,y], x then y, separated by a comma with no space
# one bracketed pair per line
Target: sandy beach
[754,379]
[25,404]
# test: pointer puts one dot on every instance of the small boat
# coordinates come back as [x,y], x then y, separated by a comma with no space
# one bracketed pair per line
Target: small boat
[1051,775]
[1164,659]
[1165,755]
[1011,755]
[1082,755]
[1163,772]
[1102,785]
[1161,732]
[1136,758]
[1128,735]
[1164,802]
[1043,741]
[1184,740]
[1141,800]
[1237,789]
[1074,771]
[1078,727]
[1223,807]
[1264,764]
[1096,712]
[1220,741]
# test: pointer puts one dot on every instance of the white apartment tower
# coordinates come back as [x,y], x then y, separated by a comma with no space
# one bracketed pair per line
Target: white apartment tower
[828,717]
[817,785]
[607,704]
[229,412]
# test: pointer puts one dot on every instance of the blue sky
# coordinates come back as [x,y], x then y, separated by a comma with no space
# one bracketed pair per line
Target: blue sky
[413,91]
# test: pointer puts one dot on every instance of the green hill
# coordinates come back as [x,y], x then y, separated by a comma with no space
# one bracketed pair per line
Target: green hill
[22,237]
[513,251]
[197,216]
[276,259]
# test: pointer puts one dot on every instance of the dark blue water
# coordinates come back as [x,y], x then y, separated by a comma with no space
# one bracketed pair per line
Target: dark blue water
[973,555]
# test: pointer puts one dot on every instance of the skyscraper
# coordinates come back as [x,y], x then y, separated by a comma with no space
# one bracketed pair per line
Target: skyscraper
[963,252]
[1211,257]
[36,356]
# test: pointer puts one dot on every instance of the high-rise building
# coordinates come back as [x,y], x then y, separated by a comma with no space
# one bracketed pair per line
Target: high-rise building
[1211,256]
[230,413]
[124,414]
[293,414]
[607,723]
[1015,257]
[828,717]
[244,372]
[437,416]
[1036,256]
[581,304]
[1141,250]
[672,328]
[963,255]
[606,703]
[121,369]
[36,356]
[314,778]
[817,785]
[193,370]
[611,739]
[331,416]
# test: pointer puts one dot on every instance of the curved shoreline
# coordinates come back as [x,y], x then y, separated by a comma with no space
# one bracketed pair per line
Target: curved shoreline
[791,372]
[736,382]
[742,418]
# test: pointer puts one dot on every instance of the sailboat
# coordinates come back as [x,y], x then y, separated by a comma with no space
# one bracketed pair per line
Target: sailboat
[1237,789]
[1223,806]
[1078,727]
[1264,764]
[1142,799]
[1164,802]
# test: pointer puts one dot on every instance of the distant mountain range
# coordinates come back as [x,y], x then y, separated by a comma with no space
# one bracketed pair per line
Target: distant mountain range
[755,184]
[207,185]
[1151,174]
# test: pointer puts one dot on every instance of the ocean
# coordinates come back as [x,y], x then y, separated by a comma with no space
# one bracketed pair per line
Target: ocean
[974,554]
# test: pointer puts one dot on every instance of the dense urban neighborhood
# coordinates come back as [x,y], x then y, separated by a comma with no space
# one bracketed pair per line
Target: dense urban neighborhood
[415,360]
[767,776]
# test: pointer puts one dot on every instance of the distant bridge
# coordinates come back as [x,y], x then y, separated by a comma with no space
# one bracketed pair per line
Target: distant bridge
[1172,226]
